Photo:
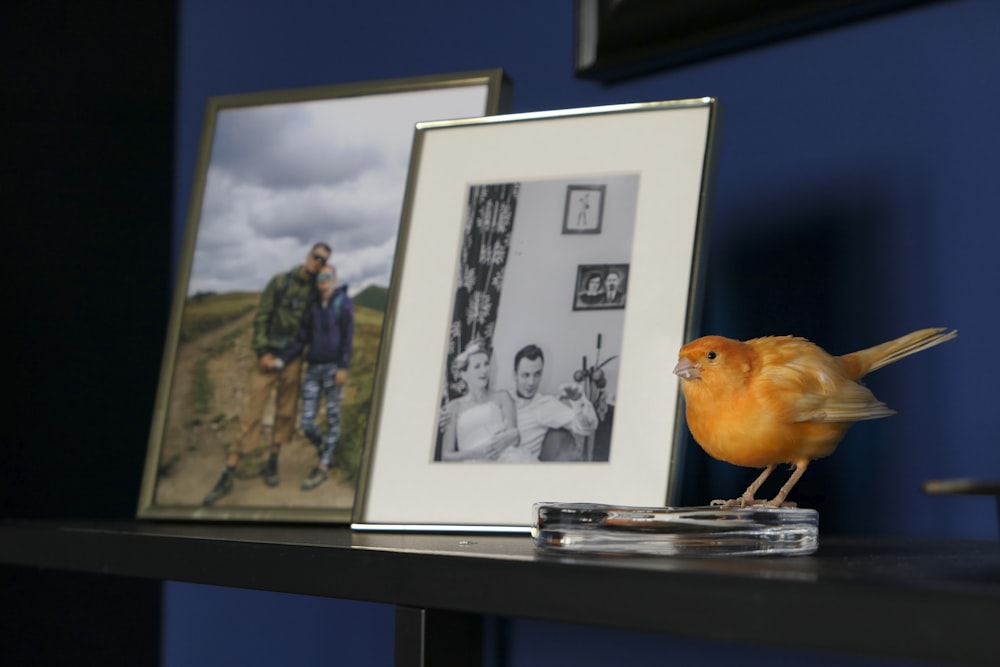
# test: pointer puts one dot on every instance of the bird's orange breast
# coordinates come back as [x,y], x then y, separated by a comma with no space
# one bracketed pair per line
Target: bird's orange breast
[747,431]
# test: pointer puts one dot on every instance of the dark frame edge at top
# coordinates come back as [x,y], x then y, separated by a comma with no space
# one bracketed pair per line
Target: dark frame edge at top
[639,37]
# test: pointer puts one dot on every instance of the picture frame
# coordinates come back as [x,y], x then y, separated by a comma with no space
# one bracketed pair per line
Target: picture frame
[621,39]
[584,209]
[463,314]
[286,179]
[600,286]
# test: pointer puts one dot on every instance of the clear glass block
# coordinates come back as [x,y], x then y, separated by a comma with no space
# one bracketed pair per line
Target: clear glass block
[675,531]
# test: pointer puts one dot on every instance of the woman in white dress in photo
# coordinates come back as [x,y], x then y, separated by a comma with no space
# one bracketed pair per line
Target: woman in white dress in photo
[481,424]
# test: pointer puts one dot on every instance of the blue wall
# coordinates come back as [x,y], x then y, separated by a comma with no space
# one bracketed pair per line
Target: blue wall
[209,625]
[854,201]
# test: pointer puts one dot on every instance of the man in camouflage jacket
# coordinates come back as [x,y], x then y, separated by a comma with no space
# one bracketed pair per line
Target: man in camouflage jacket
[286,299]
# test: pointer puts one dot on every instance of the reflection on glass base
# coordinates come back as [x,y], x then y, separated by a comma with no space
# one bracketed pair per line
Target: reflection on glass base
[675,531]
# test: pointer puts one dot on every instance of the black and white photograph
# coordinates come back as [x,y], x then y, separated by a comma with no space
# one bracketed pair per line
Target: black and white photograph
[600,286]
[584,209]
[529,378]
[278,319]
[494,391]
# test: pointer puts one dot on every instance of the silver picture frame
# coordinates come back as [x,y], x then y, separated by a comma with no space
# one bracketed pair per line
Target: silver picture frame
[456,330]
[279,172]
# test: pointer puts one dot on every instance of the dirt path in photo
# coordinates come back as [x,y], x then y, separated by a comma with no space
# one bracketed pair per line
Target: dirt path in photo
[193,451]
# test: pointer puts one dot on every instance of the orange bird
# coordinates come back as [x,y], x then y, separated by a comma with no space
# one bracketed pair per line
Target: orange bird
[781,399]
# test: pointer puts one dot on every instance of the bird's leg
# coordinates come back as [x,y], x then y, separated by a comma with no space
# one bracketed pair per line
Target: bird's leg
[779,500]
[751,491]
[748,496]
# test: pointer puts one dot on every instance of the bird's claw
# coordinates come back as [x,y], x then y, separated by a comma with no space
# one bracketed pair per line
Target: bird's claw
[743,502]
[740,502]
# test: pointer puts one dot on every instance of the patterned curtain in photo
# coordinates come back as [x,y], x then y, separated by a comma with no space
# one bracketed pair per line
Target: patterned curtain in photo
[489,219]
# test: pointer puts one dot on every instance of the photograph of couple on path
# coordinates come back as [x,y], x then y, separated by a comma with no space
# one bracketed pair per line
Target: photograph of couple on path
[302,313]
[271,392]
[287,188]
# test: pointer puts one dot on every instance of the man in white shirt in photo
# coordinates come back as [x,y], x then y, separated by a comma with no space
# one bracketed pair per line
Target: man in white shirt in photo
[568,419]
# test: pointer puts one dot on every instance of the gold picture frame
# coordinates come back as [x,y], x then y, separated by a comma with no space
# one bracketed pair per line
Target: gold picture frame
[278,173]
[483,273]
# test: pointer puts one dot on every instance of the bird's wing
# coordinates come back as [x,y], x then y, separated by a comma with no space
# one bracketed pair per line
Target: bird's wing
[817,390]
[852,402]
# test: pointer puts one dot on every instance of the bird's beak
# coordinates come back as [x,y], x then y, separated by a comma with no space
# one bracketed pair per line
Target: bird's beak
[686,369]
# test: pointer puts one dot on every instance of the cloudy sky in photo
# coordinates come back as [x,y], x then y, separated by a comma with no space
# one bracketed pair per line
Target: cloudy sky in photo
[284,176]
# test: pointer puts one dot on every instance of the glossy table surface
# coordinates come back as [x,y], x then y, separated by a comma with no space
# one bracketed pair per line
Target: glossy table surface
[935,600]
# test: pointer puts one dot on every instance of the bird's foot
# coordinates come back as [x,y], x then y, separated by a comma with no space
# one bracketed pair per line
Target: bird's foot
[784,503]
[741,502]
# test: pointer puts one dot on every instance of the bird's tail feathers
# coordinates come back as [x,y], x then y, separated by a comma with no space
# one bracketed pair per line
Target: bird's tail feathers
[876,357]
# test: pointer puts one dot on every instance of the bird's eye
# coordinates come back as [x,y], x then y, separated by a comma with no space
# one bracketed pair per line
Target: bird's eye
[712,354]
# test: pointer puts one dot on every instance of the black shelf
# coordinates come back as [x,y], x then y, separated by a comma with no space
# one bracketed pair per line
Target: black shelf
[933,600]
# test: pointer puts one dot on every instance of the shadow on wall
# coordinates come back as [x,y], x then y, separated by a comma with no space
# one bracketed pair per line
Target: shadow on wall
[807,268]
